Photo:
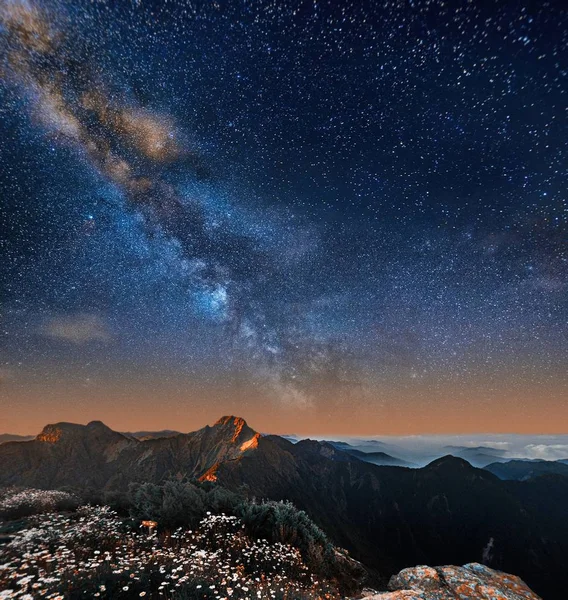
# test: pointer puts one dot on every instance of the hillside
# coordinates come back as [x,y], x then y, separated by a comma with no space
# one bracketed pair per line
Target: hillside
[100,554]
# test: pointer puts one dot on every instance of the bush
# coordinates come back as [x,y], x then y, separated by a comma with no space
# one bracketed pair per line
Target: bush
[95,553]
[16,503]
[179,503]
[283,522]
[118,501]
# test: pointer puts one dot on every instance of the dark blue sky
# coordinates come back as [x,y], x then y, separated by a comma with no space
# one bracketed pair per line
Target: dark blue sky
[326,206]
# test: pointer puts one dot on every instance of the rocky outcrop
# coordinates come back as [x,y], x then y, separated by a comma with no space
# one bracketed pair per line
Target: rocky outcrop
[454,583]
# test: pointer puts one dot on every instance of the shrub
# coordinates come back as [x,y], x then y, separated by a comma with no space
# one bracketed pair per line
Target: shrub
[95,554]
[283,522]
[179,503]
[16,503]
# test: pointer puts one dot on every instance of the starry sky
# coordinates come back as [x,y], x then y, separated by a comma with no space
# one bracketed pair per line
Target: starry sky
[323,216]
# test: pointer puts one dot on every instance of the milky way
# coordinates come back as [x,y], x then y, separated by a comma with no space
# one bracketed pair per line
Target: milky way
[318,201]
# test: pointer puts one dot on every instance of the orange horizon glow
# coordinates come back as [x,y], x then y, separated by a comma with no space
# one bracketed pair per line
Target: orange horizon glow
[443,410]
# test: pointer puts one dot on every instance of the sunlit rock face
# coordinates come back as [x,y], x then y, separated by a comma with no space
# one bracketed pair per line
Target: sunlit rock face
[455,583]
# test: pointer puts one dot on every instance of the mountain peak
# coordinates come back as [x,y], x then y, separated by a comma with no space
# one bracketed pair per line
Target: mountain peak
[238,430]
[56,432]
[98,425]
[228,419]
[449,463]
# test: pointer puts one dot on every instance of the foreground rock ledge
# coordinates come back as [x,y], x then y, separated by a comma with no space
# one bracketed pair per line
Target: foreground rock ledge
[454,583]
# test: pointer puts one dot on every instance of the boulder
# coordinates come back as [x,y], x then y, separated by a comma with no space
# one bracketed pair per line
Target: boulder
[473,581]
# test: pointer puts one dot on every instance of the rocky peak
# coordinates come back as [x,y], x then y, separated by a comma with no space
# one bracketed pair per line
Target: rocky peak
[55,432]
[238,430]
[231,420]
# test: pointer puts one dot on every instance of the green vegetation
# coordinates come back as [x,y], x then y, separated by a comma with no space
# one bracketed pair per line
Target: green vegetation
[189,506]
[182,503]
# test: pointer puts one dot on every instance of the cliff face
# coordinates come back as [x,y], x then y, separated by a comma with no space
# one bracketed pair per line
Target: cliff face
[473,580]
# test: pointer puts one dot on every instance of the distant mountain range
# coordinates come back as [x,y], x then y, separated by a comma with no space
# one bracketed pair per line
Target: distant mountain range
[376,458]
[479,456]
[12,437]
[389,517]
[522,470]
[151,435]
[479,450]
[139,435]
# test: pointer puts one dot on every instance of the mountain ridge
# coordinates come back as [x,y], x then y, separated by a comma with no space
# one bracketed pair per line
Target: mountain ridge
[521,470]
[388,517]
[95,455]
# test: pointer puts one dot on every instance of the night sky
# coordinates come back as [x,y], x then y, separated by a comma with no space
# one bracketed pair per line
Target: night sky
[321,216]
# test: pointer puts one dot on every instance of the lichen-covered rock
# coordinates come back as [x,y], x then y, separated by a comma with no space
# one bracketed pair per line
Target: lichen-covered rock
[421,578]
[455,583]
[400,595]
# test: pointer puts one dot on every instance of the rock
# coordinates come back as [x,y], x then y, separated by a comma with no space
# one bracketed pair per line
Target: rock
[400,595]
[416,578]
[455,583]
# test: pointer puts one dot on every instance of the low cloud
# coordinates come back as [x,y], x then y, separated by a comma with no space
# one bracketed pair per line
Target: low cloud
[492,444]
[547,451]
[82,328]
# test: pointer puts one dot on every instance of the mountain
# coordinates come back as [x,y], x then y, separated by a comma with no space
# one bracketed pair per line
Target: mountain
[479,456]
[475,449]
[521,470]
[389,518]
[12,437]
[95,456]
[290,437]
[376,458]
[64,454]
[380,458]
